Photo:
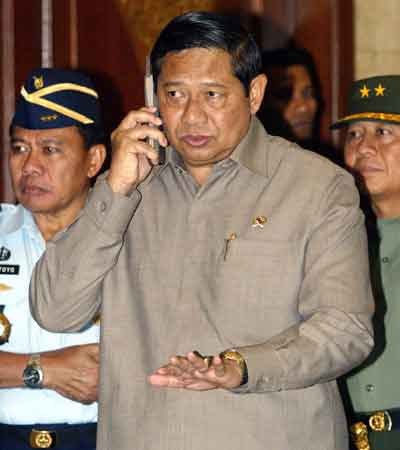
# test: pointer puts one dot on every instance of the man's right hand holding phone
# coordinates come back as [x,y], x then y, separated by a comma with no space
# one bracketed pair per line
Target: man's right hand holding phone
[132,156]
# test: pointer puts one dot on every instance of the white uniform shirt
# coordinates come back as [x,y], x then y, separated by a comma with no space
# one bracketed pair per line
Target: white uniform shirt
[21,245]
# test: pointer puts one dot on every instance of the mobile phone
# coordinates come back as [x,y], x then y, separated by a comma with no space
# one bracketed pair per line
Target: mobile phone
[150,97]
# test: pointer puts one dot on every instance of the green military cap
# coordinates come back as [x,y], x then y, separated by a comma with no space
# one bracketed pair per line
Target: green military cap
[375,98]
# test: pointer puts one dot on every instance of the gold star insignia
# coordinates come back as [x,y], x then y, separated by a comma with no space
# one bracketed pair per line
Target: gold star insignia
[364,91]
[379,90]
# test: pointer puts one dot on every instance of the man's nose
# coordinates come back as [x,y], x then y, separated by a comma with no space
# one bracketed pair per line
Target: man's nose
[367,145]
[32,164]
[194,111]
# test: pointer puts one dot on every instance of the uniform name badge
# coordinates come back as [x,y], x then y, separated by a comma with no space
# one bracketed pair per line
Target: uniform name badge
[5,326]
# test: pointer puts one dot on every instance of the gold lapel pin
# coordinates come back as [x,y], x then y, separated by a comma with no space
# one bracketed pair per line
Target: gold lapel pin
[259,222]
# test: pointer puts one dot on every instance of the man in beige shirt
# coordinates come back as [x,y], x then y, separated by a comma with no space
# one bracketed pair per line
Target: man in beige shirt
[241,245]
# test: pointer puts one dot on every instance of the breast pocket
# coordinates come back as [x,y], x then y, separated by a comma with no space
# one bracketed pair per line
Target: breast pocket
[14,298]
[257,287]
[13,290]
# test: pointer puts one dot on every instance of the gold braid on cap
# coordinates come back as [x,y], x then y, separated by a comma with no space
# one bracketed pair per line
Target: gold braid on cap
[386,117]
[36,98]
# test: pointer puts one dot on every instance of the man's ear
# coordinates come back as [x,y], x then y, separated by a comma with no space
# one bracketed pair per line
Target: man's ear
[256,92]
[97,155]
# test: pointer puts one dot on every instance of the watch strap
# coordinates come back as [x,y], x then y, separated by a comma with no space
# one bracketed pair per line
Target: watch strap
[34,360]
[233,355]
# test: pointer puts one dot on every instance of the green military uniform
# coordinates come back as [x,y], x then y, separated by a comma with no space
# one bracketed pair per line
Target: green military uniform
[374,387]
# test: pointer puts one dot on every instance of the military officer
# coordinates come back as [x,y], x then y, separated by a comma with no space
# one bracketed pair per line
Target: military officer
[48,381]
[372,153]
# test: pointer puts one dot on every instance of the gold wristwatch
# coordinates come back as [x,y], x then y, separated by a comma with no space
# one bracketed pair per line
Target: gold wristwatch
[234,355]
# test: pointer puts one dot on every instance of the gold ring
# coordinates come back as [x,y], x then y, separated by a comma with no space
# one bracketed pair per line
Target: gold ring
[207,359]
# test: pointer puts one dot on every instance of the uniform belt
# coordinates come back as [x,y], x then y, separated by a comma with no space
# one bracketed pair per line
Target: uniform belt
[378,421]
[50,435]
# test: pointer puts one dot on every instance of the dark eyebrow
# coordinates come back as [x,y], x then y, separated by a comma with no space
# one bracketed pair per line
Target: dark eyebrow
[14,140]
[209,84]
[46,141]
[51,141]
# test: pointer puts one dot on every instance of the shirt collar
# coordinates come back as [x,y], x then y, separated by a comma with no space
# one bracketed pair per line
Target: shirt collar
[20,218]
[251,152]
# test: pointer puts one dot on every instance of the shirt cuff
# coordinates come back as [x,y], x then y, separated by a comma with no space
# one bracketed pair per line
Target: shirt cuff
[110,211]
[264,369]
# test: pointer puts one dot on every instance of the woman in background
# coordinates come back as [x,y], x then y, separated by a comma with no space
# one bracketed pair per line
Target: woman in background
[292,106]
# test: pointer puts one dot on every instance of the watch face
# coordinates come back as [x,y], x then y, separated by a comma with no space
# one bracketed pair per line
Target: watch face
[32,377]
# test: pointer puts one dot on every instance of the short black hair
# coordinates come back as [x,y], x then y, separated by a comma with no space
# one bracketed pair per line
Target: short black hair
[91,135]
[212,31]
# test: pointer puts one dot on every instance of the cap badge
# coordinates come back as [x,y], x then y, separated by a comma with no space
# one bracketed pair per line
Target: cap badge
[38,82]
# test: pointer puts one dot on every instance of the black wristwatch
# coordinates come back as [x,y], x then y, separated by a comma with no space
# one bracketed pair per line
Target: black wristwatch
[33,373]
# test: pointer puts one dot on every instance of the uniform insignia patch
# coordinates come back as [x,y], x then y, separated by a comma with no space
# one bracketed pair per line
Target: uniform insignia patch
[4,254]
[5,326]
[5,287]
[9,269]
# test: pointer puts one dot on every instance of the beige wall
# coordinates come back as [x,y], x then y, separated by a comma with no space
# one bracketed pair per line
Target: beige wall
[377,42]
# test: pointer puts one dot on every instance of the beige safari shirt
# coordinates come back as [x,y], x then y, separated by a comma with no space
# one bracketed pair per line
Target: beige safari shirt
[291,293]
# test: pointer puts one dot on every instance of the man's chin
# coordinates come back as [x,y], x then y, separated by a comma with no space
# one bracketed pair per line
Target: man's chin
[34,204]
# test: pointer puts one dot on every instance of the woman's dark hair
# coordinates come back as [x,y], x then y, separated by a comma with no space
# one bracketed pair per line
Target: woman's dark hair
[292,56]
[211,31]
[279,92]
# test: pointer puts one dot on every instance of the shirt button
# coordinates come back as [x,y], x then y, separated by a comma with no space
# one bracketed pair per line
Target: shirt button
[385,260]
[370,388]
